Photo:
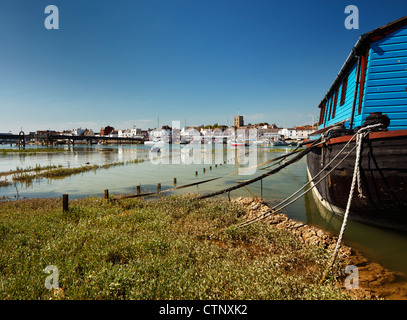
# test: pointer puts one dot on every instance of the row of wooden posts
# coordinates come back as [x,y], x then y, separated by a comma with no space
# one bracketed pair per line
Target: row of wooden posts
[204,170]
[65,197]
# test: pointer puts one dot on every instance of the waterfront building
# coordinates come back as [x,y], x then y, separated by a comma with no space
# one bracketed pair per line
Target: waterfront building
[304,131]
[288,133]
[106,131]
[164,133]
[78,132]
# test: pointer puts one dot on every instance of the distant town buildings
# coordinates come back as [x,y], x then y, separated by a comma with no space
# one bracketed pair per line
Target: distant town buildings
[238,121]
[264,131]
[164,133]
[106,131]
[304,132]
[128,133]
[297,132]
[78,132]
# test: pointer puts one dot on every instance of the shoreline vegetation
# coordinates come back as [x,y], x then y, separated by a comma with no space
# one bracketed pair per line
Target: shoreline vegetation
[31,151]
[54,172]
[159,250]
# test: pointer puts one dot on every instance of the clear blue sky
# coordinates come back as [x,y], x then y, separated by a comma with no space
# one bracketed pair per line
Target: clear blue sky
[125,63]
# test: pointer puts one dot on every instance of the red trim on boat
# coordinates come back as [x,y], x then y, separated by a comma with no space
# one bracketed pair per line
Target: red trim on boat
[365,58]
[372,135]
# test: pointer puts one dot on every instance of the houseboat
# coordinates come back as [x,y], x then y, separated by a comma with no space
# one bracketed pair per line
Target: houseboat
[368,94]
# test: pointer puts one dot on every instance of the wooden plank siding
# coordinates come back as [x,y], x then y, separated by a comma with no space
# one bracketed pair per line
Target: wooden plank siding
[386,86]
[341,111]
[382,85]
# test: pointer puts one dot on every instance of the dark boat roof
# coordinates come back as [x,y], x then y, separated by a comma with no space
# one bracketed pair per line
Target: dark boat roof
[361,45]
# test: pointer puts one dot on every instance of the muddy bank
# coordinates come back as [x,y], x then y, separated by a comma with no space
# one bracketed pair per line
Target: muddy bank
[374,279]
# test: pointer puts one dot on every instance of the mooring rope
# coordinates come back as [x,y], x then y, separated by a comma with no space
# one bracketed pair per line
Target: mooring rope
[356,178]
[280,205]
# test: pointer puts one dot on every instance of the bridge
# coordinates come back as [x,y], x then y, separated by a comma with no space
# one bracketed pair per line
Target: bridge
[50,139]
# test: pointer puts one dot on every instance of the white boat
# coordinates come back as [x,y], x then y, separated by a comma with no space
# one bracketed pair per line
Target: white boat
[155,142]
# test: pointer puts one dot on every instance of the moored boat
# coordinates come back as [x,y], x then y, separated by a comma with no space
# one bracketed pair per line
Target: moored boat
[156,141]
[369,93]
[279,143]
[236,143]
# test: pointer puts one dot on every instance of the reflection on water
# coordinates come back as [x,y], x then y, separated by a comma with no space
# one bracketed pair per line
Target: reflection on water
[384,246]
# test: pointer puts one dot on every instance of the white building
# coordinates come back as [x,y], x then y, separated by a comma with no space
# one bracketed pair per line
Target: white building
[304,132]
[288,133]
[297,132]
[164,134]
[114,134]
[189,134]
[78,132]
[206,132]
[129,133]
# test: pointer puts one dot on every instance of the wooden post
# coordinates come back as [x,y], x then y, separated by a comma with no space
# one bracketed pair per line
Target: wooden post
[107,194]
[210,168]
[175,182]
[65,202]
[159,187]
[196,173]
[203,170]
[138,189]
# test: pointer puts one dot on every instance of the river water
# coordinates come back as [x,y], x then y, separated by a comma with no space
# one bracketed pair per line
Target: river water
[386,247]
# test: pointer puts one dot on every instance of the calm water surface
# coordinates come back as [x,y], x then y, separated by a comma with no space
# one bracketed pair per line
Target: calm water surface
[384,246]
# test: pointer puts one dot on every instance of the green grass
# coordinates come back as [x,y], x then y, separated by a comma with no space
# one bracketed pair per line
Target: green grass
[37,168]
[135,249]
[55,172]
[31,151]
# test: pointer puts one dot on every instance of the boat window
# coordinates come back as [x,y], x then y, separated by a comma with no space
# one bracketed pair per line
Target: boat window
[330,108]
[322,113]
[335,99]
[344,87]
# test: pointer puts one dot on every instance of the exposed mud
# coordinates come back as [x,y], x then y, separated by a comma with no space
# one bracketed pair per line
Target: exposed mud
[374,279]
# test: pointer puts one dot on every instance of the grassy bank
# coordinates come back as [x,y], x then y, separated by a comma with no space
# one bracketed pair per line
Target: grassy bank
[134,249]
[37,168]
[55,172]
[31,151]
